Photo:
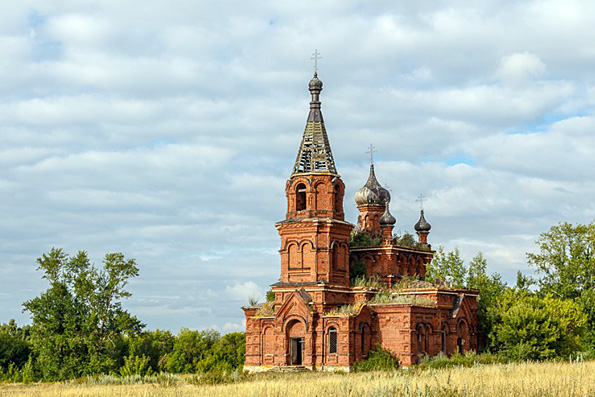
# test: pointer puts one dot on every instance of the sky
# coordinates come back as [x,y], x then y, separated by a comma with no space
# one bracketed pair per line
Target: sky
[166,131]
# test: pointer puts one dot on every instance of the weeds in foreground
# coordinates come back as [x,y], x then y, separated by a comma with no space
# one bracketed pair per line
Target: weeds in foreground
[495,380]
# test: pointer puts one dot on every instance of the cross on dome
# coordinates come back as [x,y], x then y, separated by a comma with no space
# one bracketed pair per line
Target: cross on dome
[371,151]
[315,58]
[421,200]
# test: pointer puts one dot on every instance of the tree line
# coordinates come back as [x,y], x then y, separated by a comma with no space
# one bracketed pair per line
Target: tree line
[548,316]
[80,328]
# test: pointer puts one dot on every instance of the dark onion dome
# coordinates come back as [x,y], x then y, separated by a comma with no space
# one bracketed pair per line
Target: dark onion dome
[387,219]
[315,83]
[422,225]
[372,192]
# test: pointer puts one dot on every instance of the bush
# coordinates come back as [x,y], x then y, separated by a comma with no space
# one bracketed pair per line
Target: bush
[189,348]
[156,345]
[227,354]
[136,365]
[363,239]
[529,327]
[378,360]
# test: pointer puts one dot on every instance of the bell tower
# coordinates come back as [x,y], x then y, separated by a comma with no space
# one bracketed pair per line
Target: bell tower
[314,234]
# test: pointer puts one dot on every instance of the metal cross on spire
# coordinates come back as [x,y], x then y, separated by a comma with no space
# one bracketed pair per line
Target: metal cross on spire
[421,200]
[371,151]
[315,58]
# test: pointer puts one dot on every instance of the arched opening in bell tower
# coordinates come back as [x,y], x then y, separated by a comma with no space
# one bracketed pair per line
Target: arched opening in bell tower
[300,197]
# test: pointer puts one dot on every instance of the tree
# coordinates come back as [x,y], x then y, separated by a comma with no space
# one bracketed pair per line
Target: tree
[226,354]
[566,260]
[406,240]
[13,345]
[189,348]
[364,239]
[530,327]
[447,267]
[156,346]
[490,290]
[78,322]
[566,264]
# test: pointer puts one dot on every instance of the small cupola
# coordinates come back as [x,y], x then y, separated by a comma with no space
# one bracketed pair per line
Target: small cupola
[422,225]
[387,219]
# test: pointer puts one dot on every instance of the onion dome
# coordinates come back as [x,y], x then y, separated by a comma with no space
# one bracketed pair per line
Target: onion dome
[315,83]
[422,225]
[372,192]
[387,219]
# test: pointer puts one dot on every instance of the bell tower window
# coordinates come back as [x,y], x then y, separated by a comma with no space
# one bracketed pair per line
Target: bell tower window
[300,201]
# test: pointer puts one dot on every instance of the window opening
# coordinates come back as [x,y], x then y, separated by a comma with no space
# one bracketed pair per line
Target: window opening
[301,197]
[332,340]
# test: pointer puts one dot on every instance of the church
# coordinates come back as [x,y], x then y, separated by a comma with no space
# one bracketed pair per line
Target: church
[347,289]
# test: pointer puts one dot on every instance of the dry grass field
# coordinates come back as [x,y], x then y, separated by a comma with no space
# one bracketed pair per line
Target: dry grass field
[521,379]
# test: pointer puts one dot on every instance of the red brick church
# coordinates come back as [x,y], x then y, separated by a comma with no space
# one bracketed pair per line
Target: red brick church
[320,318]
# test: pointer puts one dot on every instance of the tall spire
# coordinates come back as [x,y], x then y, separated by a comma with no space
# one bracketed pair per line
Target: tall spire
[315,154]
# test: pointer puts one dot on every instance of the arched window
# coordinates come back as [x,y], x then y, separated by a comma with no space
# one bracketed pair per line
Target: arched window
[332,340]
[292,256]
[461,335]
[300,199]
[335,257]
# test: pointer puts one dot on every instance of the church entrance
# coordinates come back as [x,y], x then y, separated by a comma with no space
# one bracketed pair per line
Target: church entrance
[297,348]
[296,332]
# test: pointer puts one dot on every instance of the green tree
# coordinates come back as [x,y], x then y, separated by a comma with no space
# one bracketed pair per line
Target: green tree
[13,345]
[78,322]
[490,287]
[156,346]
[363,239]
[447,267]
[406,240]
[566,260]
[530,327]
[226,354]
[189,348]
[357,269]
[523,282]
[566,266]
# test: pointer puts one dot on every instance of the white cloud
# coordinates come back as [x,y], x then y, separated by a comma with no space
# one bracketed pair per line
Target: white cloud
[519,68]
[244,291]
[167,132]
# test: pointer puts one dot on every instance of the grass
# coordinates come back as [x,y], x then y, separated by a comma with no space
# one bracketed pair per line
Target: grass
[387,296]
[517,379]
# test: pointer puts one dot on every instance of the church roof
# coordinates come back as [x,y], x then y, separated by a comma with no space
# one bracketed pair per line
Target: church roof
[372,192]
[422,225]
[315,154]
[387,218]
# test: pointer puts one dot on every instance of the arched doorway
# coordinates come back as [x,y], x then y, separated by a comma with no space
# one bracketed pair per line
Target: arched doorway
[295,336]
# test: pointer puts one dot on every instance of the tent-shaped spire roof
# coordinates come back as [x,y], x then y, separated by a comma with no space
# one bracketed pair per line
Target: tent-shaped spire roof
[315,154]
